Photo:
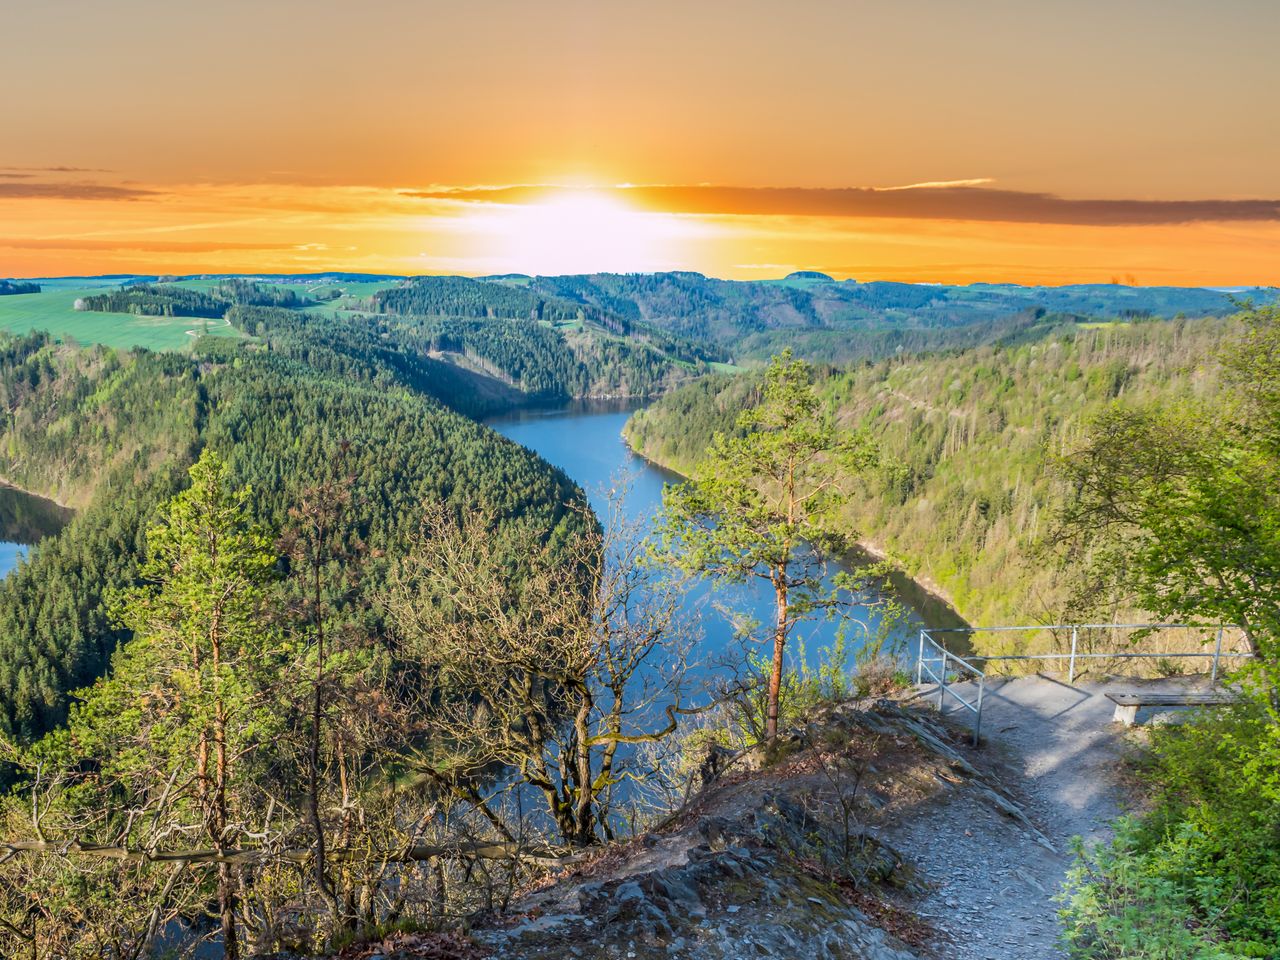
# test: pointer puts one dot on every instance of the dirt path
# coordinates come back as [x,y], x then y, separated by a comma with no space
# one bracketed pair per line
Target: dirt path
[1058,753]
[194,332]
[1056,749]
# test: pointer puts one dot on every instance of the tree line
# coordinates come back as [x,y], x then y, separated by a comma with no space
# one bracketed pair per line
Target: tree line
[972,437]
[171,300]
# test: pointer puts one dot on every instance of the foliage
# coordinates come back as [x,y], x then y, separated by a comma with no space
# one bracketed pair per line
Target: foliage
[184,704]
[1198,876]
[1179,505]
[462,297]
[842,322]
[157,300]
[239,291]
[761,505]
[13,287]
[971,436]
[114,432]
[545,663]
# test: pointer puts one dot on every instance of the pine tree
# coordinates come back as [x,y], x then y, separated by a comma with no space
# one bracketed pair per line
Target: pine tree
[760,505]
[197,664]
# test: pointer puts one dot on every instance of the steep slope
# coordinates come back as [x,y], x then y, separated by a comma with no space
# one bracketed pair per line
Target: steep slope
[971,436]
[878,835]
[841,321]
[113,432]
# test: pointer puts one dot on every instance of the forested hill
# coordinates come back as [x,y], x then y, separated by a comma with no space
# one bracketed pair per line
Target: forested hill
[517,339]
[114,431]
[972,435]
[475,345]
[823,319]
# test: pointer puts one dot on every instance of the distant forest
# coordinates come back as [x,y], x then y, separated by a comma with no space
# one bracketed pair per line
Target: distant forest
[8,287]
[972,437]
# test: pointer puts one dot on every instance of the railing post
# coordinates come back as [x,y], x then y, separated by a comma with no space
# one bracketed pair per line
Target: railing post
[920,662]
[942,684]
[1217,655]
[977,716]
[1071,674]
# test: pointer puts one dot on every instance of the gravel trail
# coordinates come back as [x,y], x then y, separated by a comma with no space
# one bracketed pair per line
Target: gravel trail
[1057,753]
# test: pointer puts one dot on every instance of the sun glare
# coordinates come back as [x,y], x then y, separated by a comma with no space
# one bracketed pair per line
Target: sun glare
[581,231]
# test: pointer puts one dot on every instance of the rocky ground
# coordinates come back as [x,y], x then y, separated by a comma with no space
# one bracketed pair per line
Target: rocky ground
[1058,754]
[881,834]
[876,833]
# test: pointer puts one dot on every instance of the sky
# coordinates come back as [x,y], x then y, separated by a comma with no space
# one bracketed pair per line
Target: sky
[1053,141]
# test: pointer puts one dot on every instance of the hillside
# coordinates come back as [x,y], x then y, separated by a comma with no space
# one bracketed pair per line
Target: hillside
[822,319]
[848,848]
[485,345]
[972,435]
[112,433]
[621,334]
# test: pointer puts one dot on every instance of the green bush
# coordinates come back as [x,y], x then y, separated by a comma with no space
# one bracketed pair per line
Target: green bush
[1198,877]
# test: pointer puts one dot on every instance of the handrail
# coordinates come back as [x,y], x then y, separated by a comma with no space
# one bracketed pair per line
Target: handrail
[923,667]
[941,656]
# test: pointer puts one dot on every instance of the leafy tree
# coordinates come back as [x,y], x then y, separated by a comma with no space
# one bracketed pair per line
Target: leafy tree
[973,437]
[545,662]
[1180,506]
[189,686]
[760,504]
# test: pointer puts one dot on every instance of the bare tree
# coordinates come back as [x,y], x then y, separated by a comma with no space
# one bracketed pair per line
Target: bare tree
[545,662]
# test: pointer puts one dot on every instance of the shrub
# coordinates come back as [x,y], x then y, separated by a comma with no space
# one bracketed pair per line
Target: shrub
[1198,877]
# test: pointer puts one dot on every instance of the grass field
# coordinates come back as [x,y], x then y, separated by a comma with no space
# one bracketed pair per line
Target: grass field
[53,310]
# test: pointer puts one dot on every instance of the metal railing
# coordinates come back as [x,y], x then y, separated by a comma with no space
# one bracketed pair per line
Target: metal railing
[935,661]
[940,655]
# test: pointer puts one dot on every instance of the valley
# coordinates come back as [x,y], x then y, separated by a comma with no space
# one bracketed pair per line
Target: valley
[411,553]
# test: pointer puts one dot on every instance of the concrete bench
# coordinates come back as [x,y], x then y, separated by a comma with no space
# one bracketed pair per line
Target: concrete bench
[1128,704]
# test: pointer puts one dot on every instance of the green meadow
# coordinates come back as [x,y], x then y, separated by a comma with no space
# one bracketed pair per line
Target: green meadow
[53,310]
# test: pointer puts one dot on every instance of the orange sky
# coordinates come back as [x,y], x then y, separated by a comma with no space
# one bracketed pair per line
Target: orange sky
[1054,141]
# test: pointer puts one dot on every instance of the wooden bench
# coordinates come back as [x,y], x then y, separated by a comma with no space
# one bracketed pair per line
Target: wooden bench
[1128,704]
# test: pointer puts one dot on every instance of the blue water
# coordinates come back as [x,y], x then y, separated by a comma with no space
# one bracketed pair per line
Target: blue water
[25,519]
[10,554]
[586,443]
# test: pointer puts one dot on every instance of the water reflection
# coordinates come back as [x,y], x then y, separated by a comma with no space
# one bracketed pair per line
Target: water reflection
[585,441]
[25,519]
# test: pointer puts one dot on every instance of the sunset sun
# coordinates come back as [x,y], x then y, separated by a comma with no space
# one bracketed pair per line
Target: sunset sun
[580,230]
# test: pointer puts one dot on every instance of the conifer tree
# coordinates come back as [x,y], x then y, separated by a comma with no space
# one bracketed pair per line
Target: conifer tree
[196,668]
[760,505]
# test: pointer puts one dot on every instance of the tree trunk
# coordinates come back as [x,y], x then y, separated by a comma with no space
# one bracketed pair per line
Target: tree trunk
[313,753]
[219,819]
[227,909]
[584,826]
[775,675]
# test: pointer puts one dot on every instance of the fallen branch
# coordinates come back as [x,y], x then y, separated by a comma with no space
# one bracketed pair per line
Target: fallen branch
[499,850]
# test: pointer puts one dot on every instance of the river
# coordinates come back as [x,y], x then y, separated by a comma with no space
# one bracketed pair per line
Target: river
[585,441]
[25,519]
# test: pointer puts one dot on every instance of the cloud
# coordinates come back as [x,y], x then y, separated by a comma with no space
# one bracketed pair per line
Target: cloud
[71,191]
[141,246]
[934,184]
[57,169]
[938,200]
